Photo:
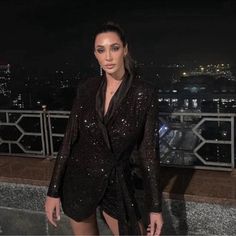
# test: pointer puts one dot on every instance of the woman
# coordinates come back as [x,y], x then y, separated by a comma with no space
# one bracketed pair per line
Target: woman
[111,115]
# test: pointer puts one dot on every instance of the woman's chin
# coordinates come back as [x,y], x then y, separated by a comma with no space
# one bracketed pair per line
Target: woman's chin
[110,71]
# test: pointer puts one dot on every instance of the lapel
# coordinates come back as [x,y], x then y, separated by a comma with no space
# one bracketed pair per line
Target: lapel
[118,98]
[99,112]
[115,103]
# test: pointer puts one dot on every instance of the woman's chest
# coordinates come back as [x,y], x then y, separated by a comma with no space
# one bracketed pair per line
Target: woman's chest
[126,119]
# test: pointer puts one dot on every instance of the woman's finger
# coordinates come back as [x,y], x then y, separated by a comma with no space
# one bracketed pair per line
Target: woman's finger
[158,231]
[152,226]
[50,218]
[58,217]
[148,230]
[158,228]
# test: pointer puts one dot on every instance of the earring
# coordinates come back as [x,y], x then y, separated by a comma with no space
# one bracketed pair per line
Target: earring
[101,72]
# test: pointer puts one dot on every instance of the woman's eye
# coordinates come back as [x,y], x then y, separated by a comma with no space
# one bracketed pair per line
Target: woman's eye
[115,48]
[100,50]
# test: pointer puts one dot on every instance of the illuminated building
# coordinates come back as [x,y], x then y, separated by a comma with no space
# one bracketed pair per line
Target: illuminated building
[5,77]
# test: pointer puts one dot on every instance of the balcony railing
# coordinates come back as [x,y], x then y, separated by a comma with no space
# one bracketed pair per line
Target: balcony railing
[196,140]
[200,140]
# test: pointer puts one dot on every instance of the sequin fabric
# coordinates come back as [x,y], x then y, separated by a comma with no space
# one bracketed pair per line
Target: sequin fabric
[95,151]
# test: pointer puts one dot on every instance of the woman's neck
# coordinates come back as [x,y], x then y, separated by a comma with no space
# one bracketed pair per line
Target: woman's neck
[113,79]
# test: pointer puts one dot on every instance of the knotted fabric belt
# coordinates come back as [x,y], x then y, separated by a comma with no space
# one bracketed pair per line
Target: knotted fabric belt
[127,216]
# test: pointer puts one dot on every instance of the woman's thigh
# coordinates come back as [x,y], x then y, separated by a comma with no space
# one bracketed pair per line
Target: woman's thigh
[113,224]
[86,227]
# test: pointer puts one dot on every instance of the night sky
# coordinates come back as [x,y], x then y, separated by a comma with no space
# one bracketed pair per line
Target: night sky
[51,33]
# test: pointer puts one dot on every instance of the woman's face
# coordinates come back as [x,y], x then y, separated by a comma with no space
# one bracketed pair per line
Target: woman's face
[110,52]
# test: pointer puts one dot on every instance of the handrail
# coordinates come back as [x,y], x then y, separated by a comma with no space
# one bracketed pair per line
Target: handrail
[182,136]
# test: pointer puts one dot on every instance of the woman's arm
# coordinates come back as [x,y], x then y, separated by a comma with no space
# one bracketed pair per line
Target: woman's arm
[70,135]
[52,203]
[150,165]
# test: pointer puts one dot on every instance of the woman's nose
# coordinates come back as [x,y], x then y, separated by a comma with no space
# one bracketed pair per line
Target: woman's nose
[108,56]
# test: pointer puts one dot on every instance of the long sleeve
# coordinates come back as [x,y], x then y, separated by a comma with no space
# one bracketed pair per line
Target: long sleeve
[150,159]
[70,135]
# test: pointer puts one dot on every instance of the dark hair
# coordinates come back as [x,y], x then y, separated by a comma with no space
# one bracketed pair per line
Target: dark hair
[113,27]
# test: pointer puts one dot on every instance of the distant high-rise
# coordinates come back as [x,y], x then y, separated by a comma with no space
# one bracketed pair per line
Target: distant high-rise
[5,77]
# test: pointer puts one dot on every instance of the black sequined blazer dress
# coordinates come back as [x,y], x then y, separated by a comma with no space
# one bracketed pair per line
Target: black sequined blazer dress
[92,167]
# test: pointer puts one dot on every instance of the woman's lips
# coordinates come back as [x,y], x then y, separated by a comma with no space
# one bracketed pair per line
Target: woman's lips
[109,66]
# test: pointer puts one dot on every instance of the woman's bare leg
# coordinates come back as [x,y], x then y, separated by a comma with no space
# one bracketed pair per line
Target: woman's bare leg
[86,227]
[113,224]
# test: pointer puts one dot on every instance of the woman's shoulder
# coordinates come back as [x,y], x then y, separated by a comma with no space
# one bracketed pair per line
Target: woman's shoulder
[88,84]
[144,85]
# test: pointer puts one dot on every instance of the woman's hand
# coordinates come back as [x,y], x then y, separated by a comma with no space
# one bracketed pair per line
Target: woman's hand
[155,226]
[52,209]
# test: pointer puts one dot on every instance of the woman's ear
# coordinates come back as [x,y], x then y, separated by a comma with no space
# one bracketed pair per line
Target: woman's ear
[126,50]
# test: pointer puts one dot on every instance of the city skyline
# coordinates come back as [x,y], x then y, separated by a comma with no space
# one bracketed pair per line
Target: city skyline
[186,49]
[49,34]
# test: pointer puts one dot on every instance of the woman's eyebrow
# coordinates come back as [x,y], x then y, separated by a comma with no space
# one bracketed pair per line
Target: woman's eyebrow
[113,44]
[99,46]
